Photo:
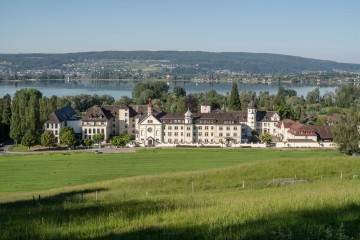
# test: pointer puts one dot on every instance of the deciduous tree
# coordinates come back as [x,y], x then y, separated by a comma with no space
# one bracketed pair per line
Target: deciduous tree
[28,139]
[67,137]
[346,133]
[47,139]
[98,138]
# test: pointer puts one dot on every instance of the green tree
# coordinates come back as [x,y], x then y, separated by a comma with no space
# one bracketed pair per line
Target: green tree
[313,96]
[118,141]
[124,100]
[179,91]
[234,99]
[280,97]
[88,142]
[5,117]
[266,138]
[98,138]
[47,139]
[284,112]
[346,133]
[29,139]
[67,137]
[25,113]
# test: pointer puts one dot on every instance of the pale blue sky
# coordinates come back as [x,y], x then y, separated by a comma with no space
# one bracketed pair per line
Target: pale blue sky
[323,29]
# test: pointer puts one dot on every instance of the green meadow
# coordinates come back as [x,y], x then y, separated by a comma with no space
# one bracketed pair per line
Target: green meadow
[181,194]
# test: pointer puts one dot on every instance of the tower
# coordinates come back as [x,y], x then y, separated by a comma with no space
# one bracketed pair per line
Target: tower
[251,116]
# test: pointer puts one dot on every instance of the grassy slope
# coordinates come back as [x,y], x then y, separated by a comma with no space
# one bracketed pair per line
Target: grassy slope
[39,172]
[163,206]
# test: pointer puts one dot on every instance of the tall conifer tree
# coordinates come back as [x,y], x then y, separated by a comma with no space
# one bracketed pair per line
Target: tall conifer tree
[234,99]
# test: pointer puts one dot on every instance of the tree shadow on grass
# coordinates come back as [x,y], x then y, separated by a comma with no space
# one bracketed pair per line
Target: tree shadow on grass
[21,220]
[54,199]
[326,223]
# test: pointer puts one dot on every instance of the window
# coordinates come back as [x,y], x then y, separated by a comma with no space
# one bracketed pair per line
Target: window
[176,134]
[206,134]
[125,114]
[235,128]
[114,125]
[188,134]
[206,128]
[182,134]
[227,128]
[200,127]
[200,134]
[182,128]
[133,125]
[220,134]
[212,128]
[169,127]
[212,134]
[220,128]
[176,127]
[206,140]
[150,121]
[235,134]
[187,128]
[169,134]
[85,131]
[102,130]
[228,134]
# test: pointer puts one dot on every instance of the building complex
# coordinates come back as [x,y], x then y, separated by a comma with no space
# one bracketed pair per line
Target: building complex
[151,126]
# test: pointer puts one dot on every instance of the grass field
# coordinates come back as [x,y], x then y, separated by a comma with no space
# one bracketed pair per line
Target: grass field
[180,194]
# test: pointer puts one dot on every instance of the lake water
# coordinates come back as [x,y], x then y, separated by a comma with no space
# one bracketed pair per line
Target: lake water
[124,88]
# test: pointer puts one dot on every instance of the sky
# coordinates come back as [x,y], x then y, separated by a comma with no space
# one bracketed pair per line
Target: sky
[321,29]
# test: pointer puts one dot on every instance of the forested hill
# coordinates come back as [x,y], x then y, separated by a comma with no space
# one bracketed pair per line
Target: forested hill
[198,61]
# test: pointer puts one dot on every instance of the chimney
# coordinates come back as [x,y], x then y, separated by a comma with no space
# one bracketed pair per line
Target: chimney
[150,107]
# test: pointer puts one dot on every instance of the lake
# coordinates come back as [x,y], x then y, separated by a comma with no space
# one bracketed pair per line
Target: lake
[117,89]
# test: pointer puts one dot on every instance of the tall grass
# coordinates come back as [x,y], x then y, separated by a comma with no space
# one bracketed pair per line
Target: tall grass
[166,206]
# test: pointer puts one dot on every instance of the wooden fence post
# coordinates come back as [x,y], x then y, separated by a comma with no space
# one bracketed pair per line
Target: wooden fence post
[243,184]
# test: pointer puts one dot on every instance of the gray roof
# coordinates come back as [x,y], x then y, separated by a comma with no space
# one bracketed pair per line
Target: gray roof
[98,114]
[61,115]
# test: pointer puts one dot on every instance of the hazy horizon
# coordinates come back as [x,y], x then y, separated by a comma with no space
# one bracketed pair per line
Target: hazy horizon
[323,29]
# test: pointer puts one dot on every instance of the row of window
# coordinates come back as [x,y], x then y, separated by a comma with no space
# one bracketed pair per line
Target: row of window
[200,134]
[93,130]
[52,125]
[228,128]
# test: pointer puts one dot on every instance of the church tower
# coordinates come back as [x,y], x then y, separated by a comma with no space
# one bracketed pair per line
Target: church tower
[251,116]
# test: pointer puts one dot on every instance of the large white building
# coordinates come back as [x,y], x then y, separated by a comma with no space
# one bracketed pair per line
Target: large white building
[151,126]
[60,118]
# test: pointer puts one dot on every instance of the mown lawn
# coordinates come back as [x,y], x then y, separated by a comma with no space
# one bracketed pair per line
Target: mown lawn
[189,194]
[46,171]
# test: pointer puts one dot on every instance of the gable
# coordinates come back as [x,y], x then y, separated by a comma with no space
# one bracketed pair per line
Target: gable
[150,120]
